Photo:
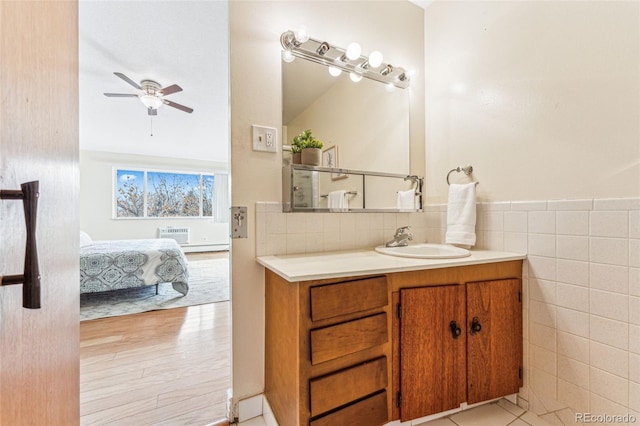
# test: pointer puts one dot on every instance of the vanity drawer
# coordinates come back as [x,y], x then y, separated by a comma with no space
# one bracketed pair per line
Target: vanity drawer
[371,411]
[343,387]
[346,338]
[333,300]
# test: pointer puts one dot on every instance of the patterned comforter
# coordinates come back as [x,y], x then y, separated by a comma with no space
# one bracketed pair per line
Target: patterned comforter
[118,264]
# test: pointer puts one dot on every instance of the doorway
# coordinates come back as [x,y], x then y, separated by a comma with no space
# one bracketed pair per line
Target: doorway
[127,361]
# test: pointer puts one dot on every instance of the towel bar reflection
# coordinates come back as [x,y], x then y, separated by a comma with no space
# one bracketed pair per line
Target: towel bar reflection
[467,171]
[346,193]
[417,181]
[30,278]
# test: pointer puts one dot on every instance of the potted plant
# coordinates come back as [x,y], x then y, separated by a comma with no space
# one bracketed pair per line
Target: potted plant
[311,148]
[296,150]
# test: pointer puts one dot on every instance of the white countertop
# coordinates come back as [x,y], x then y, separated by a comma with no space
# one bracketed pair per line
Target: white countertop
[316,266]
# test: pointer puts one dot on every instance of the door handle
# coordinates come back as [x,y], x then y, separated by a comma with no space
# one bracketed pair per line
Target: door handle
[30,277]
[475,326]
[455,330]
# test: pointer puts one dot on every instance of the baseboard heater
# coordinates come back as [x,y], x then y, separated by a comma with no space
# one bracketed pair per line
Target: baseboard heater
[181,235]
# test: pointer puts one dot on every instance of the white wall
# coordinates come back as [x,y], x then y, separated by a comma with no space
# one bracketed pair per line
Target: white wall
[541,97]
[393,27]
[96,199]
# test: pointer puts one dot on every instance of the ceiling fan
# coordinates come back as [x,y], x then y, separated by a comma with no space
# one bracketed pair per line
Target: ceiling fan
[151,94]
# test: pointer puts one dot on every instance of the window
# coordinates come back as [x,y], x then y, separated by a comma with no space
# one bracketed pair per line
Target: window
[130,193]
[159,194]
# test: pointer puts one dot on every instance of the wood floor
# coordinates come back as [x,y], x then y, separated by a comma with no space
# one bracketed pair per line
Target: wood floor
[170,367]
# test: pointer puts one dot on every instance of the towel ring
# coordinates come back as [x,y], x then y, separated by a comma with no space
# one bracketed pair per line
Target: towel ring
[467,171]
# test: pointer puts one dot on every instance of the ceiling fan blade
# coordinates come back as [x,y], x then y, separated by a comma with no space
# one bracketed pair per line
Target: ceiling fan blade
[128,80]
[152,111]
[180,107]
[121,95]
[171,89]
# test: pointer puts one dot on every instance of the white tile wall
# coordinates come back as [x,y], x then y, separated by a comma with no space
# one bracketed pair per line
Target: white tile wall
[294,233]
[573,222]
[581,285]
[610,359]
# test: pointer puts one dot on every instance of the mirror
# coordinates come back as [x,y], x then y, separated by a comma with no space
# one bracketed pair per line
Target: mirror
[366,121]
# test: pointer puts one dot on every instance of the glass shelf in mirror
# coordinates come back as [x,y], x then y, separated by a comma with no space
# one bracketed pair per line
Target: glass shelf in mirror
[324,189]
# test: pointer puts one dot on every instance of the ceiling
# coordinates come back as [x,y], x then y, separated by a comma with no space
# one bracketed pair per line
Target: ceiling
[171,42]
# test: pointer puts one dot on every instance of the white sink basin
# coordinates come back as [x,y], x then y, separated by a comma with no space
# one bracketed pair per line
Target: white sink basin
[425,251]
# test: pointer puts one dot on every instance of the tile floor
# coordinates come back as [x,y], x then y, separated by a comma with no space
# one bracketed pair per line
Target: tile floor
[500,413]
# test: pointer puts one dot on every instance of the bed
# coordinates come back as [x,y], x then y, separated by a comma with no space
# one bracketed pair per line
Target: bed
[119,264]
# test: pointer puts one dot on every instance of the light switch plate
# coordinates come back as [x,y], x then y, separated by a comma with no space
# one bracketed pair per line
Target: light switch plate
[264,138]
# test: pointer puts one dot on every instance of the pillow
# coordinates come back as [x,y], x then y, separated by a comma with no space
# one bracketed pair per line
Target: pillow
[85,239]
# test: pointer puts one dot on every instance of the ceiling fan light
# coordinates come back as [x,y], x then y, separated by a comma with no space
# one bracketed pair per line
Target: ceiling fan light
[150,101]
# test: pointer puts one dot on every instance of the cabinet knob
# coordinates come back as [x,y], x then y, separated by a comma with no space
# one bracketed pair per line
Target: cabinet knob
[455,330]
[475,325]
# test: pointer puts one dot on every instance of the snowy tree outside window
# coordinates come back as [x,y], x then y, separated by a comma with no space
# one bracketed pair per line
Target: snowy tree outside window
[155,194]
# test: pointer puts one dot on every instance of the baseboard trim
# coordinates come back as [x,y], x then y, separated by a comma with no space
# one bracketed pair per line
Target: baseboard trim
[204,248]
[269,418]
[249,408]
[256,406]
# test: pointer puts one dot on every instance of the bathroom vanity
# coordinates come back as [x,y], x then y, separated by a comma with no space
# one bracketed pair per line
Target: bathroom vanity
[362,338]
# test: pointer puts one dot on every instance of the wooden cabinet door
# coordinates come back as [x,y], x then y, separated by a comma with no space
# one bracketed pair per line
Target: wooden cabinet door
[432,359]
[494,359]
[39,348]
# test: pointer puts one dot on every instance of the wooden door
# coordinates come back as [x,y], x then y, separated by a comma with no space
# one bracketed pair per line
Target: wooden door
[494,358]
[39,361]
[432,358]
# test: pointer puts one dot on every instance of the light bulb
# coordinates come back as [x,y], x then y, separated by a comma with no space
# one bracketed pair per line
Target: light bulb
[335,71]
[287,56]
[353,51]
[301,34]
[355,77]
[375,59]
[150,101]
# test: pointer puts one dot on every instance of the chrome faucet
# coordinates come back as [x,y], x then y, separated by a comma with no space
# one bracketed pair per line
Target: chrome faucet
[401,238]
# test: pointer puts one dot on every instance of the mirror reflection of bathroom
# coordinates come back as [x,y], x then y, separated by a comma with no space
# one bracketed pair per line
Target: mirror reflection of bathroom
[366,120]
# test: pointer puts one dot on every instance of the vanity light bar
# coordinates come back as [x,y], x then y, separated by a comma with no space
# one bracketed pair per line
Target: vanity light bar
[329,55]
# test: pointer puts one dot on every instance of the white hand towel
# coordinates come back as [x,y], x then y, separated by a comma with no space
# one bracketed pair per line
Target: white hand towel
[407,199]
[461,214]
[337,200]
